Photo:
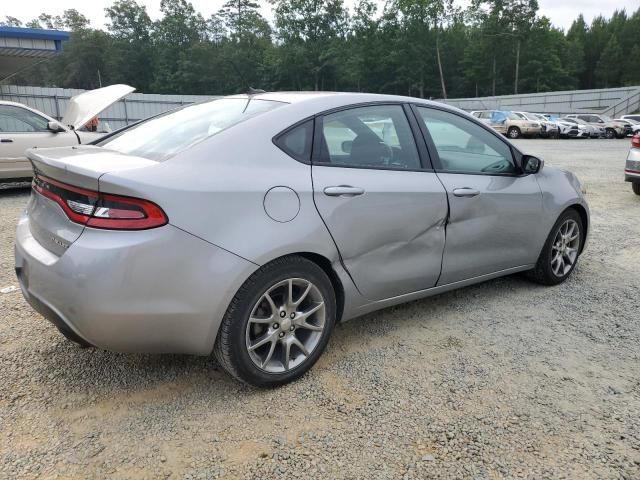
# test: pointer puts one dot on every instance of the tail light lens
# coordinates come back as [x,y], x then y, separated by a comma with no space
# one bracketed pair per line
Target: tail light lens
[635,141]
[101,210]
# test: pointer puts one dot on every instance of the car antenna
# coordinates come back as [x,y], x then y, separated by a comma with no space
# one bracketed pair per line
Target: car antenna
[249,89]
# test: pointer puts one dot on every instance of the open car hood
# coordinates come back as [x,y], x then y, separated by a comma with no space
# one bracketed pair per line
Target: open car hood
[87,105]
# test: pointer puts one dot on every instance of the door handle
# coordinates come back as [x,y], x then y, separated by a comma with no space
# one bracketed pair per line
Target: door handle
[343,191]
[6,140]
[465,192]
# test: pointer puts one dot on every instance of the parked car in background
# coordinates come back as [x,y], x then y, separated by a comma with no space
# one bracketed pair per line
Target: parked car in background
[147,241]
[585,130]
[635,126]
[633,116]
[612,129]
[632,166]
[547,127]
[23,127]
[508,123]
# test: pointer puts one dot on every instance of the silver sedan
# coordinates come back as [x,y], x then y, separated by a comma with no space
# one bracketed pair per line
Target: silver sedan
[248,226]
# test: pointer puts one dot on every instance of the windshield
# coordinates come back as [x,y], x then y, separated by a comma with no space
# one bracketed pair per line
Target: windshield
[513,116]
[606,118]
[162,137]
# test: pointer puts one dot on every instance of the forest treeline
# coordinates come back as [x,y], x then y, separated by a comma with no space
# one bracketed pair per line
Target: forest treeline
[425,48]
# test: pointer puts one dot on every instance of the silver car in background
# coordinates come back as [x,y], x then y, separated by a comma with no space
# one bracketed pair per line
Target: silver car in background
[248,226]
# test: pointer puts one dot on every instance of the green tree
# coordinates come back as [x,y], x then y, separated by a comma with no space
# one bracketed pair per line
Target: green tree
[133,53]
[310,30]
[609,67]
[631,67]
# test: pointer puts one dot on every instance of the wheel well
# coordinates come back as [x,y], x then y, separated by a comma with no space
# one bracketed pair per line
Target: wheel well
[585,220]
[325,264]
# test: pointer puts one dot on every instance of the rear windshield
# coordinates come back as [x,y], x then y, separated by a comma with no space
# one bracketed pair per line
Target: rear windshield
[162,137]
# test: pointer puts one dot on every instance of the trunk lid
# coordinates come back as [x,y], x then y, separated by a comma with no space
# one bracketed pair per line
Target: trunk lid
[80,167]
[87,105]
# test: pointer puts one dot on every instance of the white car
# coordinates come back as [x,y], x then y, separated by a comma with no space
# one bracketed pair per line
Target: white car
[23,127]
[635,126]
[634,116]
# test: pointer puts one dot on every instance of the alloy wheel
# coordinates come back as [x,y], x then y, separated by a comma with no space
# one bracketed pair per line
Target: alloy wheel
[564,250]
[285,325]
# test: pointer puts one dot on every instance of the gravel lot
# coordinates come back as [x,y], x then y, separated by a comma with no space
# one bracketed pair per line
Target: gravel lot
[502,380]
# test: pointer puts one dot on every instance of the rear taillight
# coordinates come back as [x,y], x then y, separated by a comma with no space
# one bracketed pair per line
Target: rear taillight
[635,141]
[101,210]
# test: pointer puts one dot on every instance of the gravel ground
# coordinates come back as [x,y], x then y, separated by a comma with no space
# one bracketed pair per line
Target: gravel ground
[501,380]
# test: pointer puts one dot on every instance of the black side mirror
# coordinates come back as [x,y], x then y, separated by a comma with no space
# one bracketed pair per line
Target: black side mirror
[531,164]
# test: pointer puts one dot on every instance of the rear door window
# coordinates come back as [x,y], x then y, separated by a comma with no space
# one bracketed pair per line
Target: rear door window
[374,136]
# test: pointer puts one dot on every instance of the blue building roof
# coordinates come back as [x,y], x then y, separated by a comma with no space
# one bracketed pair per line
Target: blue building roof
[34,33]
[21,47]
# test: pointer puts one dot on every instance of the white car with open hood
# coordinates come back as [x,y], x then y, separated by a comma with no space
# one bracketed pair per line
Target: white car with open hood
[22,127]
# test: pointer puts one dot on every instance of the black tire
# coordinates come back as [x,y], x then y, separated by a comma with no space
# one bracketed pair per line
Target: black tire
[514,132]
[230,348]
[636,187]
[543,272]
[610,133]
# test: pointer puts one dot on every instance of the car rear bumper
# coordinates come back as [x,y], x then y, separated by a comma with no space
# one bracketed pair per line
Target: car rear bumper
[632,166]
[158,291]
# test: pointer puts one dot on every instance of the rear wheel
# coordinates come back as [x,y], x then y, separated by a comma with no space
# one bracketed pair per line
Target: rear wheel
[513,132]
[278,324]
[561,250]
[636,187]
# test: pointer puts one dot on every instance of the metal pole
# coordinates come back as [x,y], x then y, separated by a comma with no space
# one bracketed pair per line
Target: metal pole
[126,113]
[55,99]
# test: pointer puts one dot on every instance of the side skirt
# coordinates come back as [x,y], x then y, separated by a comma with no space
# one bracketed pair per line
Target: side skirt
[389,302]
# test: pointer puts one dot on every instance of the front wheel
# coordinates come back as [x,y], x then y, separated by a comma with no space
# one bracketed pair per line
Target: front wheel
[610,133]
[561,250]
[636,187]
[513,132]
[278,324]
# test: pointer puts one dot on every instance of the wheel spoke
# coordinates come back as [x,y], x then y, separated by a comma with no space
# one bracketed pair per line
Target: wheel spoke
[300,346]
[270,354]
[308,326]
[287,355]
[290,292]
[261,320]
[311,311]
[303,295]
[272,305]
[267,337]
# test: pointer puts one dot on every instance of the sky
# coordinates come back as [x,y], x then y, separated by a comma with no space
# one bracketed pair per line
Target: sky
[561,12]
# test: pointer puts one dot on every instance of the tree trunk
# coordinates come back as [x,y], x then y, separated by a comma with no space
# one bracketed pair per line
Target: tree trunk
[493,78]
[421,86]
[515,84]
[444,89]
